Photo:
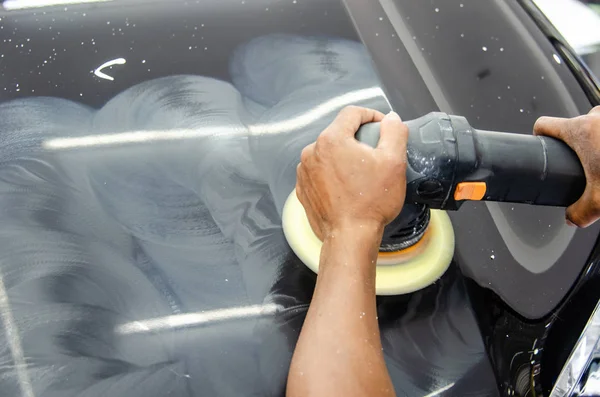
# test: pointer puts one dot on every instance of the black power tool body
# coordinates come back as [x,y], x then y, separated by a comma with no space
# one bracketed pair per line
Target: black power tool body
[450,162]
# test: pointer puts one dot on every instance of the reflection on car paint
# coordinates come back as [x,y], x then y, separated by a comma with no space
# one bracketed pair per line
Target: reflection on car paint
[159,266]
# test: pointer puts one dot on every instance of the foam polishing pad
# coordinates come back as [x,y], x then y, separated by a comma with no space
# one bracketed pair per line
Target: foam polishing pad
[397,273]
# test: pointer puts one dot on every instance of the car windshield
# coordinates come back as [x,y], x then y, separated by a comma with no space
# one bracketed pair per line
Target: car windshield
[147,149]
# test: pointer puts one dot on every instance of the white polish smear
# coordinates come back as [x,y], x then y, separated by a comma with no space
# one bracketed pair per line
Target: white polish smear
[98,72]
[165,205]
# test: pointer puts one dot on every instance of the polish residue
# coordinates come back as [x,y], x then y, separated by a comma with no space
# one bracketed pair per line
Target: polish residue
[142,241]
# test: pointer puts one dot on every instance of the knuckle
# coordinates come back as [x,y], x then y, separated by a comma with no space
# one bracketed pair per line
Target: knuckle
[324,140]
[586,125]
[394,164]
[350,109]
[595,199]
[304,156]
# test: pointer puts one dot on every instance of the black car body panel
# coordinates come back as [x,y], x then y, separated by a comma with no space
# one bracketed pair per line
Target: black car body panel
[141,243]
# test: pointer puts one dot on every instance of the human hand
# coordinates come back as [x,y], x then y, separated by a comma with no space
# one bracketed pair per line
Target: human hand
[582,134]
[345,184]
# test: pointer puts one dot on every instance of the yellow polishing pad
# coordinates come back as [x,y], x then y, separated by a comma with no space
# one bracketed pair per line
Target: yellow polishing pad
[399,272]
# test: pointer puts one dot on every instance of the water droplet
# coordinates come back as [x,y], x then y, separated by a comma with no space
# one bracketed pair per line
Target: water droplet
[381,18]
[484,48]
[108,22]
[437,10]
[499,97]
[521,110]
[226,279]
[190,47]
[143,61]
[461,5]
[508,87]
[492,257]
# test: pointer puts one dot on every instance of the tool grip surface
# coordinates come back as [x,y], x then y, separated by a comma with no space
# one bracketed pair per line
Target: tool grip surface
[450,162]
[527,169]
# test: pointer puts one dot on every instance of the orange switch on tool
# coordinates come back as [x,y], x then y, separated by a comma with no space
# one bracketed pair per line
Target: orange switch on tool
[470,191]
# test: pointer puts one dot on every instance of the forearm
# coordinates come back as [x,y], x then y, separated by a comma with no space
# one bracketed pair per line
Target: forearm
[339,350]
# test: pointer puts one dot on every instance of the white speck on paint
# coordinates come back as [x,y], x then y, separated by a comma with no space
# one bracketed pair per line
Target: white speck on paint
[557,58]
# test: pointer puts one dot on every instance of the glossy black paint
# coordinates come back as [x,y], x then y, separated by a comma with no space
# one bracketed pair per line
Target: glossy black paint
[524,360]
[587,80]
[435,340]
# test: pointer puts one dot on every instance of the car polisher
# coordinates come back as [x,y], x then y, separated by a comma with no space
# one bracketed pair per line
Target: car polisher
[449,162]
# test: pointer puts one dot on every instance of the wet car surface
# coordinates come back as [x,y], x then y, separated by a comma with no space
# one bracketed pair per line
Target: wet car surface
[147,149]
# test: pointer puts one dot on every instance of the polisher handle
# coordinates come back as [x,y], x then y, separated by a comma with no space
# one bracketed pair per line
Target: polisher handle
[450,162]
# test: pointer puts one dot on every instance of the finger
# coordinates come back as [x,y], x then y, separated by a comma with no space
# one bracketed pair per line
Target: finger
[555,127]
[393,135]
[350,119]
[302,182]
[299,186]
[585,211]
[595,110]
[306,202]
[307,153]
[314,225]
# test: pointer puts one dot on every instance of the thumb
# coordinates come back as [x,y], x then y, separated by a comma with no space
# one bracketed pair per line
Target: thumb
[393,135]
[585,211]
[555,127]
